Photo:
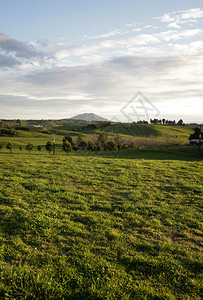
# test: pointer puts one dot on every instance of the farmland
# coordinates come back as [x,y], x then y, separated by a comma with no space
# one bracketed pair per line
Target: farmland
[146,135]
[93,227]
[100,224]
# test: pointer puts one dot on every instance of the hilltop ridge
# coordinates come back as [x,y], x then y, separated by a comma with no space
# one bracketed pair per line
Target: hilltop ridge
[88,117]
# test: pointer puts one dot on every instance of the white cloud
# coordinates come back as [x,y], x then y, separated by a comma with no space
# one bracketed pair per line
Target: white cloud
[15,53]
[69,90]
[151,27]
[176,19]
[105,35]
[102,75]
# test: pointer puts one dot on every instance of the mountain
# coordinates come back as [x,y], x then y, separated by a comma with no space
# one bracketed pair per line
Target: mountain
[88,117]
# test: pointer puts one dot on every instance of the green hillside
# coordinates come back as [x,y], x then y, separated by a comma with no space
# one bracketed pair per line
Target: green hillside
[89,227]
[160,132]
[144,134]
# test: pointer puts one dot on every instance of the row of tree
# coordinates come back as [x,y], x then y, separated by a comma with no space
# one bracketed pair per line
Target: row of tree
[167,122]
[102,142]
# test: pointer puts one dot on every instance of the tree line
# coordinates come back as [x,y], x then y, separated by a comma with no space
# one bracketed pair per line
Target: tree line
[100,143]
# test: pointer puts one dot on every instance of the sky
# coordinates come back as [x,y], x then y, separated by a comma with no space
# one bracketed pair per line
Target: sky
[123,60]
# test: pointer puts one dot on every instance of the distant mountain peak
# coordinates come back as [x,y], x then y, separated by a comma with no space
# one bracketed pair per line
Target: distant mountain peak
[89,117]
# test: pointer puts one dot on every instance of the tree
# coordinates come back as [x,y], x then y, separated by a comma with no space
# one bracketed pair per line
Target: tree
[196,134]
[133,145]
[112,146]
[119,142]
[49,146]
[68,138]
[90,146]
[18,122]
[67,147]
[79,140]
[102,139]
[29,147]
[75,147]
[180,122]
[9,146]
[39,148]
[83,145]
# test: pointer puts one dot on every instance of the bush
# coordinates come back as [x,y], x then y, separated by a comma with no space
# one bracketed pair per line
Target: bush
[75,147]
[67,147]
[9,146]
[83,145]
[49,146]
[68,138]
[7,132]
[133,145]
[112,146]
[29,147]
[90,146]
[39,148]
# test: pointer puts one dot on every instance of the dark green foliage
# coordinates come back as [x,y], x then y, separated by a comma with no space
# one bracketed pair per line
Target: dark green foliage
[133,145]
[119,142]
[83,145]
[79,140]
[68,138]
[7,132]
[20,148]
[75,147]
[112,146]
[49,146]
[32,129]
[1,146]
[39,148]
[29,147]
[196,134]
[66,146]
[102,140]
[9,146]
[90,146]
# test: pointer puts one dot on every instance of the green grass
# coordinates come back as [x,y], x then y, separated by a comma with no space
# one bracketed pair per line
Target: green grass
[146,135]
[167,134]
[89,227]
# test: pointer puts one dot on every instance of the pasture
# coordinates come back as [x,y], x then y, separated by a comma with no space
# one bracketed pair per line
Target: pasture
[89,226]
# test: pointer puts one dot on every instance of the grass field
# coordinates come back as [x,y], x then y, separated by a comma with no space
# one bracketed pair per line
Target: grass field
[146,135]
[91,227]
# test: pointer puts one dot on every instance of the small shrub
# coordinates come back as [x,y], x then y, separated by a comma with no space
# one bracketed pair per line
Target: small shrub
[39,148]
[9,146]
[67,147]
[49,146]
[29,147]
[90,146]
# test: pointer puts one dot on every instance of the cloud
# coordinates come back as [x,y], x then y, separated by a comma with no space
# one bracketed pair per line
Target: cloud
[8,61]
[151,27]
[103,89]
[15,53]
[140,44]
[20,49]
[103,75]
[176,19]
[105,35]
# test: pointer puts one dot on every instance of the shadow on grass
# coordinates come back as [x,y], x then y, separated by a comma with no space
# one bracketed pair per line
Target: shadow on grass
[13,222]
[171,153]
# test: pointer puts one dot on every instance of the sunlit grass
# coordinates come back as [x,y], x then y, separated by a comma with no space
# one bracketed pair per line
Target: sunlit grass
[87,227]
